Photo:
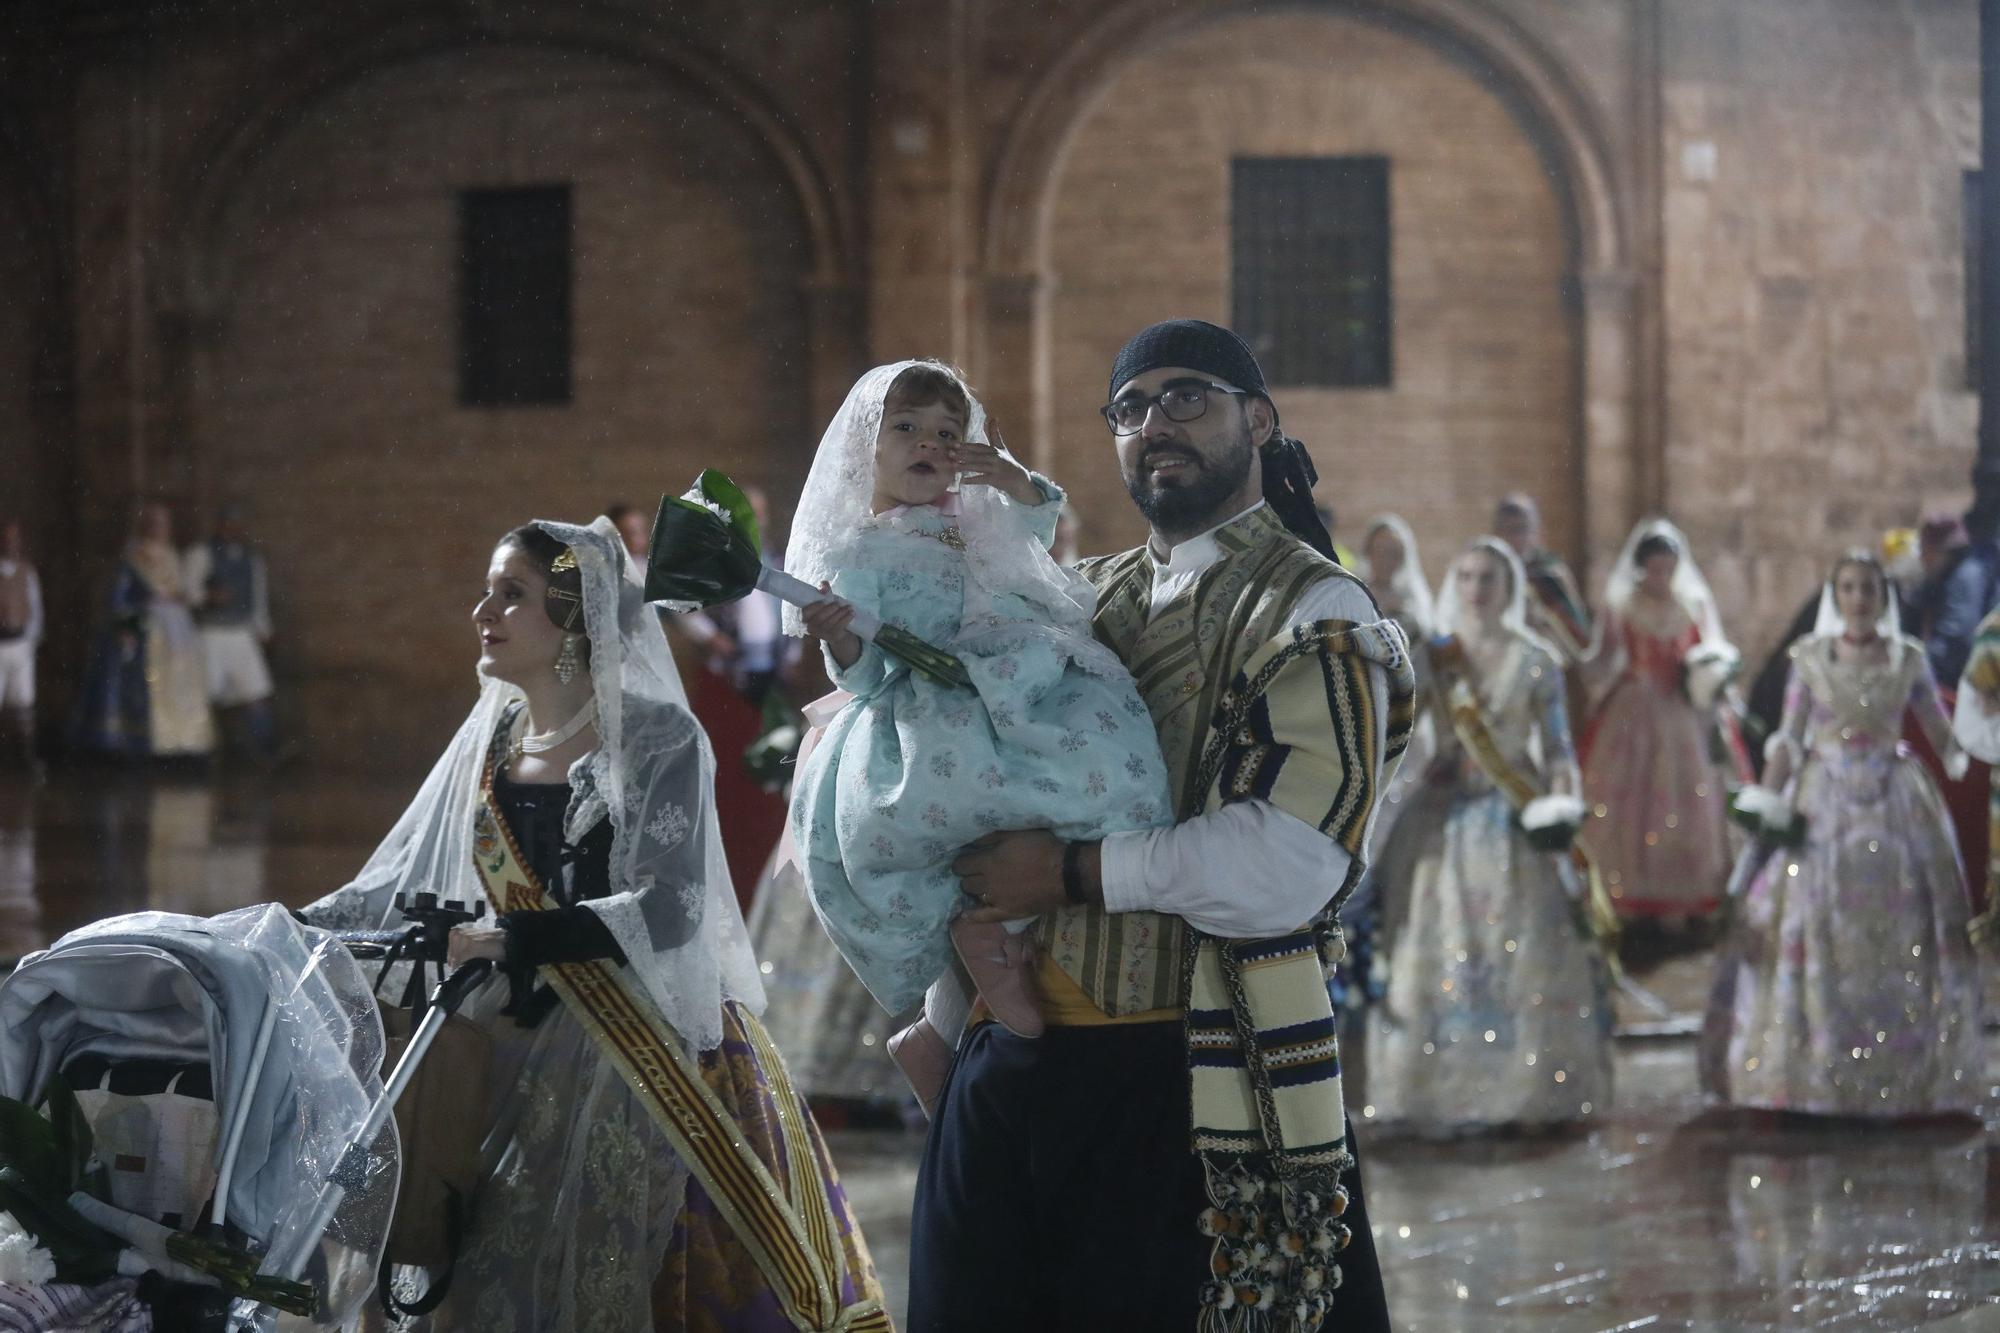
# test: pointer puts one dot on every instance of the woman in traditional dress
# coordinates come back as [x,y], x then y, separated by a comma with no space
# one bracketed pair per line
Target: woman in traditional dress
[1395,574]
[820,1014]
[1659,831]
[636,1113]
[835,1037]
[1848,985]
[145,691]
[1494,1010]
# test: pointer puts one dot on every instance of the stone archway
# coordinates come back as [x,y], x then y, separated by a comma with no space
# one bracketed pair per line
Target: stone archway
[317,267]
[1615,440]
[329,59]
[325,60]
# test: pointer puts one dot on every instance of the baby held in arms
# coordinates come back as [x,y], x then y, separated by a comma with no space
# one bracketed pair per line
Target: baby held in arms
[1052,733]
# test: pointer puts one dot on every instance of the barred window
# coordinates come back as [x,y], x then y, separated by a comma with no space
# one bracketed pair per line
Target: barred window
[1309,261]
[514,296]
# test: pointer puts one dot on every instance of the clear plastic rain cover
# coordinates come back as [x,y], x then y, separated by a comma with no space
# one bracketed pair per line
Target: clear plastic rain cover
[288,1023]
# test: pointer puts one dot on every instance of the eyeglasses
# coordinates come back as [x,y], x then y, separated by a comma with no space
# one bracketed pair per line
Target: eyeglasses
[1183,402]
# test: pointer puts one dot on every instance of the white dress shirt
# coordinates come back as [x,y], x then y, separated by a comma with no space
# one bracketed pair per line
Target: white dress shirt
[1248,869]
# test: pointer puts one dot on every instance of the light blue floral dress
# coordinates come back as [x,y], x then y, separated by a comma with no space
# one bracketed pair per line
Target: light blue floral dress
[1053,735]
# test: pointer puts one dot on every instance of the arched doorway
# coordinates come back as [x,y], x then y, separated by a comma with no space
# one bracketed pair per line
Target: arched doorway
[1515,319]
[326,386]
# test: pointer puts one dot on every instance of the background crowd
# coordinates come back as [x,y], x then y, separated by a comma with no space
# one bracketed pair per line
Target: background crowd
[1567,805]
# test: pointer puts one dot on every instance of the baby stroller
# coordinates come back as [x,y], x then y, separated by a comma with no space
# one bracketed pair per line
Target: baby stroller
[229,1068]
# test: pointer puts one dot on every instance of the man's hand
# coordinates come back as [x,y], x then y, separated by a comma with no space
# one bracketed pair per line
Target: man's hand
[1012,875]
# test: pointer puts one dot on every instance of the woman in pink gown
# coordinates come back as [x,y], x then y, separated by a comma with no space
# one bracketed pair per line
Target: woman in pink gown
[1657,825]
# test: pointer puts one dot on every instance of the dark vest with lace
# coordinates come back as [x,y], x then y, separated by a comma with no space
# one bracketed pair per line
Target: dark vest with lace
[230,599]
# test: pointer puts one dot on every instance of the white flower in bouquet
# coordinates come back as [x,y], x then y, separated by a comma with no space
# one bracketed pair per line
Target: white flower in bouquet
[1552,811]
[1711,666]
[23,1263]
[1768,808]
[1551,821]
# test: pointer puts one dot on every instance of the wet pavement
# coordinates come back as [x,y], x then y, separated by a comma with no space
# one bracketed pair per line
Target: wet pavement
[1664,1215]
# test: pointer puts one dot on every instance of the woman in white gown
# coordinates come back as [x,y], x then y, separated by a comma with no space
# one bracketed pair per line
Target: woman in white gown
[1848,983]
[1495,1010]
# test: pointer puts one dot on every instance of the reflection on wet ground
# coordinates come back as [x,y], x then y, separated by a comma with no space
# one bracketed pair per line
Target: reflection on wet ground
[1663,1217]
[1668,1218]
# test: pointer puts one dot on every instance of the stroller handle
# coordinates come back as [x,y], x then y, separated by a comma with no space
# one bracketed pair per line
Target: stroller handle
[371,944]
[454,989]
[450,994]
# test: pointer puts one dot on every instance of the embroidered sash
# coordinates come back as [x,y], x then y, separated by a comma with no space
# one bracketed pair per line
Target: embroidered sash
[1262,1049]
[787,1226]
[1298,726]
[1247,709]
[1556,609]
[1469,724]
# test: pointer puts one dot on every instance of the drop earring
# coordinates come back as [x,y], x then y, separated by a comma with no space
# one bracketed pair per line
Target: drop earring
[566,660]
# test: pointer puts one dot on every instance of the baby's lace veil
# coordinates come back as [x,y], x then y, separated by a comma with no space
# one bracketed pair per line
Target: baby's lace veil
[838,501]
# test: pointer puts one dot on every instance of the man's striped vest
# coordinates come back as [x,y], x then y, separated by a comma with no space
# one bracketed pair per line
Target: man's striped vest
[1183,660]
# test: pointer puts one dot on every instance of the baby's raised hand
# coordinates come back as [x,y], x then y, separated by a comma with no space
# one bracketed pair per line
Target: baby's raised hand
[828,619]
[985,465]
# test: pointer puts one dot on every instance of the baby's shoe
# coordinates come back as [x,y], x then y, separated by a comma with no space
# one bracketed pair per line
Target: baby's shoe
[925,1059]
[1001,964]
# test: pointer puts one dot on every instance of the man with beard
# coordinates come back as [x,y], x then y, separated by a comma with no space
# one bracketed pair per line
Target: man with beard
[1175,1142]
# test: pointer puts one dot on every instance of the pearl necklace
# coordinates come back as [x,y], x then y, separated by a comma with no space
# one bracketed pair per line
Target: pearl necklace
[542,741]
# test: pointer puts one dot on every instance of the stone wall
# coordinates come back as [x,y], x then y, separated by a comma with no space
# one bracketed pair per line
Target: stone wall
[1814,284]
[330,396]
[1484,343]
[252,267]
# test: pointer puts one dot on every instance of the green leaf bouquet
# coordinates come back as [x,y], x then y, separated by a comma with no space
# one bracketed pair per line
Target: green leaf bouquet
[706,551]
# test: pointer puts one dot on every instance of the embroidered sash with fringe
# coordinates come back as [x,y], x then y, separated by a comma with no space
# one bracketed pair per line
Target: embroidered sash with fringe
[1263,1052]
[787,1226]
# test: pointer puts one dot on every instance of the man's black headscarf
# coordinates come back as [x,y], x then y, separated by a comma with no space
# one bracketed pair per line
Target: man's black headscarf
[1199,345]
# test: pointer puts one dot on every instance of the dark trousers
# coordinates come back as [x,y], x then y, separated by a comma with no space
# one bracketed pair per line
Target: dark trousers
[1057,1192]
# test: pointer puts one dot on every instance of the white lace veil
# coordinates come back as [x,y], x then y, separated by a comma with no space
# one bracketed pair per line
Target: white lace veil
[1408,581]
[838,501]
[1690,589]
[1451,612]
[671,907]
[1829,623]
